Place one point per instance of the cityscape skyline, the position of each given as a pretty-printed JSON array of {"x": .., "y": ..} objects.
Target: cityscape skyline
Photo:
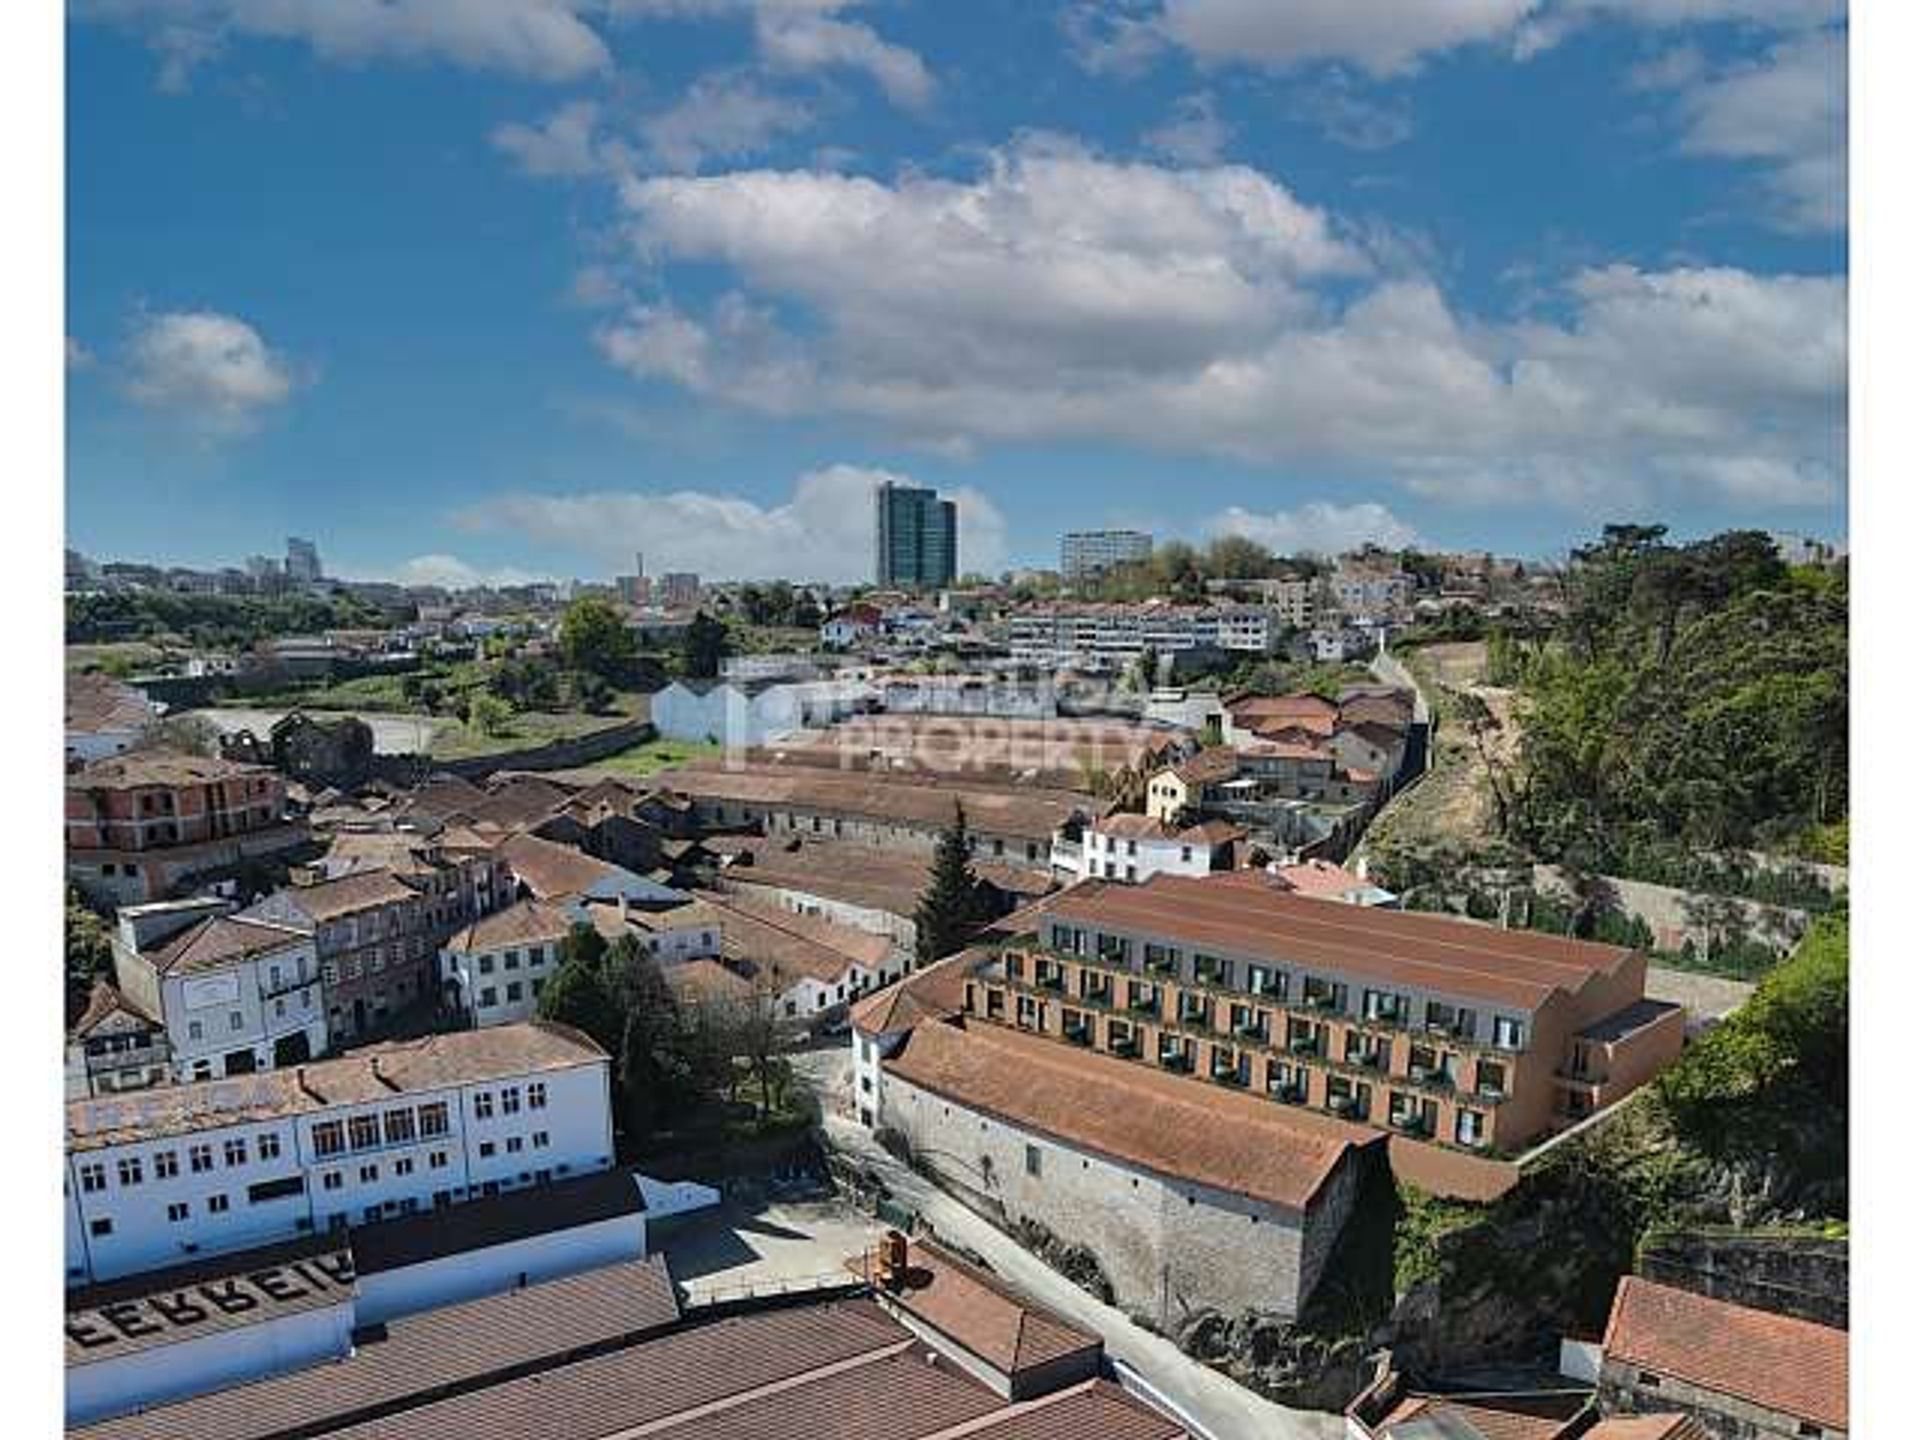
[{"x": 1075, "y": 267}]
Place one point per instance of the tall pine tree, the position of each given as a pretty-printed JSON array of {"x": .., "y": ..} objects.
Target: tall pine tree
[{"x": 949, "y": 909}]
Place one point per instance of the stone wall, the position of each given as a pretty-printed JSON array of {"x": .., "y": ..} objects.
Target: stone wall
[
  {"x": 1791, "y": 1275},
  {"x": 1627, "y": 1390},
  {"x": 1169, "y": 1249}
]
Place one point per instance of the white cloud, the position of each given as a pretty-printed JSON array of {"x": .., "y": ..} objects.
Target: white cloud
[
  {"x": 1060, "y": 296},
  {"x": 1348, "y": 116},
  {"x": 1383, "y": 37},
  {"x": 533, "y": 39},
  {"x": 210, "y": 370},
  {"x": 452, "y": 573},
  {"x": 1193, "y": 134},
  {"x": 78, "y": 356},
  {"x": 565, "y": 144},
  {"x": 1320, "y": 527},
  {"x": 724, "y": 116},
  {"x": 823, "y": 532},
  {"x": 801, "y": 37},
  {"x": 1787, "y": 112}
]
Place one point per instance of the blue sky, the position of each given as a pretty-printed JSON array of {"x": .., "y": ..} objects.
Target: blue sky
[{"x": 495, "y": 288}]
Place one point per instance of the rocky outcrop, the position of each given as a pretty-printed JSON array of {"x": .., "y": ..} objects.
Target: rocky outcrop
[
  {"x": 1275, "y": 1358},
  {"x": 1074, "y": 1262}
]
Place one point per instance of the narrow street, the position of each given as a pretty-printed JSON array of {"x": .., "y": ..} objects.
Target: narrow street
[{"x": 1224, "y": 1410}]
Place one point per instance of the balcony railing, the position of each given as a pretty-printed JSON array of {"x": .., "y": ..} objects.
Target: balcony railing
[
  {"x": 1229, "y": 1077},
  {"x": 1145, "y": 1005},
  {"x": 1101, "y": 999},
  {"x": 1055, "y": 983},
  {"x": 1369, "y": 1060},
  {"x": 1163, "y": 965},
  {"x": 1126, "y": 1049},
  {"x": 127, "y": 1059},
  {"x": 1252, "y": 1030},
  {"x": 1078, "y": 1034},
  {"x": 1409, "y": 1123},
  {"x": 1304, "y": 1045},
  {"x": 1179, "y": 1062},
  {"x": 1288, "y": 1094}
]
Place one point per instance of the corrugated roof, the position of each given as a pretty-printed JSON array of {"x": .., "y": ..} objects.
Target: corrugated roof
[
  {"x": 1177, "y": 1127},
  {"x": 1093, "y": 1410},
  {"x": 420, "y": 1355},
  {"x": 1777, "y": 1362},
  {"x": 1244, "y": 912}
]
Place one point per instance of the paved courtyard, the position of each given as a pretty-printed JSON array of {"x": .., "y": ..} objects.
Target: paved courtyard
[{"x": 748, "y": 1249}]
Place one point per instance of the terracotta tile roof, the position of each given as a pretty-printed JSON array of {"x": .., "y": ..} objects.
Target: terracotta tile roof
[
  {"x": 1649, "y": 1427},
  {"x": 553, "y": 871},
  {"x": 1030, "y": 813},
  {"x": 1211, "y": 832},
  {"x": 1136, "y": 827},
  {"x": 1383, "y": 736},
  {"x": 376, "y": 1072},
  {"x": 935, "y": 993},
  {"x": 704, "y": 981},
  {"x": 442, "y": 795},
  {"x": 1319, "y": 877},
  {"x": 1244, "y": 912},
  {"x": 1094, "y": 1410},
  {"x": 159, "y": 767},
  {"x": 1447, "y": 1419},
  {"x": 1777, "y": 1362},
  {"x": 983, "y": 1314},
  {"x": 786, "y": 947},
  {"x": 1246, "y": 708},
  {"x": 854, "y": 873},
  {"x": 1175, "y": 1126},
  {"x": 97, "y": 702},
  {"x": 527, "y": 922},
  {"x": 350, "y": 894},
  {"x": 1219, "y": 762},
  {"x": 220, "y": 940},
  {"x": 103, "y": 1003},
  {"x": 1305, "y": 731}
]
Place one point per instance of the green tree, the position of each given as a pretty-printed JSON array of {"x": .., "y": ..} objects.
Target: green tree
[
  {"x": 1234, "y": 557},
  {"x": 594, "y": 637},
  {"x": 579, "y": 995},
  {"x": 949, "y": 909},
  {"x": 489, "y": 714},
  {"x": 704, "y": 647},
  {"x": 89, "y": 953}
]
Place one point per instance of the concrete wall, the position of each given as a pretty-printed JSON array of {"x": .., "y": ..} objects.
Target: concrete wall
[
  {"x": 1626, "y": 1390},
  {"x": 1167, "y": 1247},
  {"x": 473, "y": 1273}
]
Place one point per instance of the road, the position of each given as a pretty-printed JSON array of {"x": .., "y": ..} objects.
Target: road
[{"x": 1224, "y": 1410}]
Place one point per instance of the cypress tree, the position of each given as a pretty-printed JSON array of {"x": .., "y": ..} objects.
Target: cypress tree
[{"x": 949, "y": 907}]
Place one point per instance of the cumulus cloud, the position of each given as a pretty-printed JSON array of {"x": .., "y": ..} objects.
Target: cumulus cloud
[
  {"x": 1383, "y": 37},
  {"x": 1061, "y": 296},
  {"x": 723, "y": 116},
  {"x": 1349, "y": 116},
  {"x": 1786, "y": 112},
  {"x": 452, "y": 573},
  {"x": 212, "y": 371},
  {"x": 532, "y": 39},
  {"x": 565, "y": 144},
  {"x": 79, "y": 357},
  {"x": 1320, "y": 527},
  {"x": 824, "y": 531}
]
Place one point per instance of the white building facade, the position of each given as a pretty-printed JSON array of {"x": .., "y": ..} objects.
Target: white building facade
[
  {"x": 158, "y": 1177},
  {"x": 1085, "y": 553},
  {"x": 1112, "y": 637}
]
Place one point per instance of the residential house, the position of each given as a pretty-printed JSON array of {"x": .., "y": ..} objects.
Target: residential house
[
  {"x": 1134, "y": 848},
  {"x": 235, "y": 995},
  {"x": 115, "y": 1046},
  {"x": 105, "y": 716},
  {"x": 492, "y": 972},
  {"x": 1323, "y": 880},
  {"x": 853, "y": 626},
  {"x": 375, "y": 943}
]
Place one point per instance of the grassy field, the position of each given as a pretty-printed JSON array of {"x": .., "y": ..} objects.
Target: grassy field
[
  {"x": 127, "y": 658},
  {"x": 456, "y": 740},
  {"x": 644, "y": 760}
]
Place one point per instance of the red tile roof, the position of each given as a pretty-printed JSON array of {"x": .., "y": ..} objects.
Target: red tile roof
[
  {"x": 219, "y": 941},
  {"x": 1174, "y": 1126},
  {"x": 1464, "y": 1418},
  {"x": 1649, "y": 1427},
  {"x": 529, "y": 922},
  {"x": 1777, "y": 1362},
  {"x": 97, "y": 702},
  {"x": 141, "y": 768},
  {"x": 350, "y": 894},
  {"x": 104, "y": 1002},
  {"x": 936, "y": 993},
  {"x": 1242, "y": 911},
  {"x": 983, "y": 1314}
]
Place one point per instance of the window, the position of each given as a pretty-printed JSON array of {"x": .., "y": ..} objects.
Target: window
[
  {"x": 1808, "y": 1428},
  {"x": 1470, "y": 1128},
  {"x": 177, "y": 1212},
  {"x": 331, "y": 1180},
  {"x": 329, "y": 1138},
  {"x": 269, "y": 1146},
  {"x": 363, "y": 1131},
  {"x": 195, "y": 1030},
  {"x": 537, "y": 1095},
  {"x": 512, "y": 961},
  {"x": 510, "y": 1100},
  {"x": 1033, "y": 1159},
  {"x": 536, "y": 988},
  {"x": 539, "y": 1139},
  {"x": 236, "y": 1021},
  {"x": 130, "y": 1170},
  {"x": 1649, "y": 1380},
  {"x": 1507, "y": 1034},
  {"x": 514, "y": 1145},
  {"x": 263, "y": 1191},
  {"x": 216, "y": 1204},
  {"x": 489, "y": 997},
  {"x": 166, "y": 1164},
  {"x": 486, "y": 1149},
  {"x": 437, "y": 1160},
  {"x": 236, "y": 1152},
  {"x": 199, "y": 1158},
  {"x": 403, "y": 1166},
  {"x": 93, "y": 1177},
  {"x": 483, "y": 1105},
  {"x": 369, "y": 1174},
  {"x": 486, "y": 964},
  {"x": 513, "y": 991},
  {"x": 102, "y": 1226},
  {"x": 399, "y": 1126},
  {"x": 433, "y": 1119}
]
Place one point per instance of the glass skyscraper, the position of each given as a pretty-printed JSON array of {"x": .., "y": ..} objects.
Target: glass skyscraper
[{"x": 916, "y": 538}]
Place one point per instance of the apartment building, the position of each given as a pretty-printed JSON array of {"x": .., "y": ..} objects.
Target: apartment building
[
  {"x": 1435, "y": 1028},
  {"x": 916, "y": 538},
  {"x": 1112, "y": 637},
  {"x": 140, "y": 824},
  {"x": 1367, "y": 592},
  {"x": 1134, "y": 848},
  {"x": 1087, "y": 553},
  {"x": 156, "y": 1177},
  {"x": 459, "y": 873},
  {"x": 234, "y": 995},
  {"x": 375, "y": 943},
  {"x": 492, "y": 972}
]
